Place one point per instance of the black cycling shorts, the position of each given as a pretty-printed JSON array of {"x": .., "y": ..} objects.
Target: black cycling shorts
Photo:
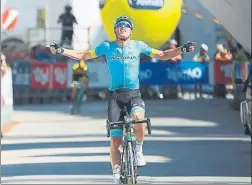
[
  {"x": 77, "y": 77},
  {"x": 131, "y": 99}
]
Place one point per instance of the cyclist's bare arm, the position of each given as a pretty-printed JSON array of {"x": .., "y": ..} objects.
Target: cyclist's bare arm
[
  {"x": 75, "y": 54},
  {"x": 171, "y": 53},
  {"x": 167, "y": 54},
  {"x": 78, "y": 55}
]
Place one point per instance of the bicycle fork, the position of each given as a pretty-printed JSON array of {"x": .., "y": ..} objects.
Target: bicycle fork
[{"x": 128, "y": 174}]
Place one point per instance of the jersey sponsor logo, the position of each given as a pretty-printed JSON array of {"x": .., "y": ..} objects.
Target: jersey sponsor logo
[
  {"x": 146, "y": 4},
  {"x": 123, "y": 58}
]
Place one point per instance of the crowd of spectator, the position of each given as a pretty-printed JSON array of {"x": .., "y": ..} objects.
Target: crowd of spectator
[
  {"x": 37, "y": 53},
  {"x": 224, "y": 53},
  {"x": 40, "y": 53}
]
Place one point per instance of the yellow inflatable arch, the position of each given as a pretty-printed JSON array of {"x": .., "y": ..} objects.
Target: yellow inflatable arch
[{"x": 155, "y": 20}]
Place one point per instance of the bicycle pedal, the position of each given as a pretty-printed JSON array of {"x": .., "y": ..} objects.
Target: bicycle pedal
[{"x": 123, "y": 180}]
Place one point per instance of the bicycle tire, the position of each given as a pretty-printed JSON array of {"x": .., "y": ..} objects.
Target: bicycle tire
[
  {"x": 243, "y": 113},
  {"x": 131, "y": 178},
  {"x": 123, "y": 166}
]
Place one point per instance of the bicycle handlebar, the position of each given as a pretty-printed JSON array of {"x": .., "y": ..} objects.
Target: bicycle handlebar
[{"x": 130, "y": 120}]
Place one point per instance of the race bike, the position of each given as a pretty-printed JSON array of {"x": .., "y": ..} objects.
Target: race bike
[
  {"x": 246, "y": 105},
  {"x": 129, "y": 169}
]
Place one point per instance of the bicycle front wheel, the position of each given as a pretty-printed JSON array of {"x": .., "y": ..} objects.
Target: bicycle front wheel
[{"x": 131, "y": 178}]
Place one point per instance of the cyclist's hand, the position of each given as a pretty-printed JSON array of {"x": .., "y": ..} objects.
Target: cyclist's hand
[
  {"x": 56, "y": 48},
  {"x": 188, "y": 46}
]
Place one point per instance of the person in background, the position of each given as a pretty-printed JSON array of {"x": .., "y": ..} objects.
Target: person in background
[
  {"x": 68, "y": 20},
  {"x": 3, "y": 72},
  {"x": 42, "y": 54},
  {"x": 173, "y": 45},
  {"x": 231, "y": 47},
  {"x": 174, "y": 90},
  {"x": 3, "y": 65},
  {"x": 202, "y": 57},
  {"x": 240, "y": 53},
  {"x": 219, "y": 47},
  {"x": 223, "y": 54}
]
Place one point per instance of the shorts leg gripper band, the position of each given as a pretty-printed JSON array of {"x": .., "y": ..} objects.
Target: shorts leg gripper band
[
  {"x": 136, "y": 109},
  {"x": 116, "y": 133}
]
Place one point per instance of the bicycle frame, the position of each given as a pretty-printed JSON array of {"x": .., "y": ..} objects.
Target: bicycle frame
[
  {"x": 128, "y": 153},
  {"x": 127, "y": 138}
]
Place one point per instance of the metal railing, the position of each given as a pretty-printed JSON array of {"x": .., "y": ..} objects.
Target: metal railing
[{"x": 81, "y": 35}]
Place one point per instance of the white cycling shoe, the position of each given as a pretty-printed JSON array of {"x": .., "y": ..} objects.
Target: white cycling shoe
[
  {"x": 116, "y": 175},
  {"x": 140, "y": 162}
]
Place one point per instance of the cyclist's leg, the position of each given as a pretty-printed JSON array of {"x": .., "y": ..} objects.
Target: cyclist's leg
[
  {"x": 74, "y": 91},
  {"x": 75, "y": 79},
  {"x": 137, "y": 112},
  {"x": 115, "y": 133}
]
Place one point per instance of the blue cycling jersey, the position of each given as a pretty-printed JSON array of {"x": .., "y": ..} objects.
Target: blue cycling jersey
[{"x": 123, "y": 62}]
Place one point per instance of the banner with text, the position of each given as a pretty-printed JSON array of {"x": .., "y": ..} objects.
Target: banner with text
[{"x": 163, "y": 73}]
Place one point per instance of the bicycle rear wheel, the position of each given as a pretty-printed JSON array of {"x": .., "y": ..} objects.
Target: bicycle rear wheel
[{"x": 131, "y": 174}]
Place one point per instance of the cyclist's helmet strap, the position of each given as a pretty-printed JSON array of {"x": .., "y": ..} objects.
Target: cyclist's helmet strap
[{"x": 124, "y": 18}]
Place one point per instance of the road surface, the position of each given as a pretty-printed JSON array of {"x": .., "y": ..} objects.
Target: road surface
[{"x": 198, "y": 141}]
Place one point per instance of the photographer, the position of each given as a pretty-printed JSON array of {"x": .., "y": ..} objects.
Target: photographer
[
  {"x": 67, "y": 19},
  {"x": 202, "y": 57}
]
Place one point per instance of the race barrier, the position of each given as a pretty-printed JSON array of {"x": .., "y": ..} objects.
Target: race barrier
[
  {"x": 6, "y": 98},
  {"x": 181, "y": 73},
  {"x": 51, "y": 82}
]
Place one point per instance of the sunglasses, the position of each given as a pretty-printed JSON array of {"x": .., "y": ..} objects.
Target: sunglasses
[{"x": 124, "y": 24}]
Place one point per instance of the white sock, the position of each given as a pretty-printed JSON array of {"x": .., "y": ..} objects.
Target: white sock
[
  {"x": 117, "y": 169},
  {"x": 139, "y": 147}
]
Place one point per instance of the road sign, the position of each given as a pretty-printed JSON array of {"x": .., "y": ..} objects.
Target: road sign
[{"x": 9, "y": 18}]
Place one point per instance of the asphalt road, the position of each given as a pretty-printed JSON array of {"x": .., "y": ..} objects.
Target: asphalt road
[{"x": 198, "y": 141}]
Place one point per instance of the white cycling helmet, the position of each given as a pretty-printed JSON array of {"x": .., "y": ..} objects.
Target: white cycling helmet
[{"x": 204, "y": 46}]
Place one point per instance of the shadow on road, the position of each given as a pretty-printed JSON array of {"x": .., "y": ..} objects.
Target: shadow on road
[
  {"x": 215, "y": 111},
  {"x": 218, "y": 155},
  {"x": 188, "y": 158}
]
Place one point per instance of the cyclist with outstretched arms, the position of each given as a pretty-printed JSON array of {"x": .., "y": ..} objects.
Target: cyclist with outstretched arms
[{"x": 123, "y": 57}]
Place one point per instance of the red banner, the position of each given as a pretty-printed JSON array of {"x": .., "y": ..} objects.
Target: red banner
[
  {"x": 60, "y": 75},
  {"x": 40, "y": 75},
  {"x": 223, "y": 72}
]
